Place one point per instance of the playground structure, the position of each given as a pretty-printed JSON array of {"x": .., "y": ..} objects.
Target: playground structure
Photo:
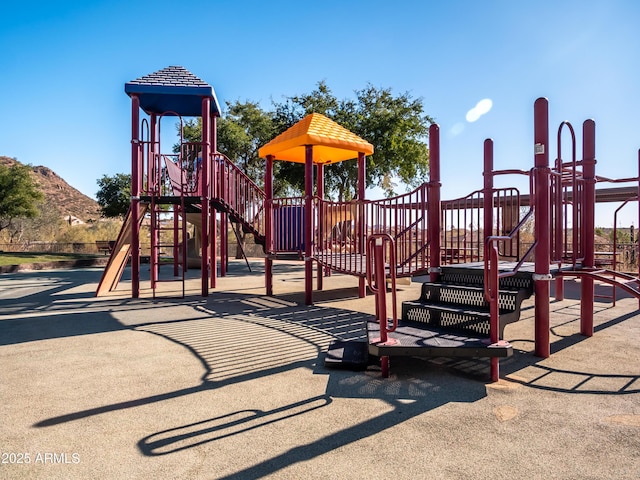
[{"x": 479, "y": 276}]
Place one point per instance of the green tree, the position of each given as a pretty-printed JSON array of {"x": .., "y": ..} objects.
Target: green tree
[
  {"x": 623, "y": 236},
  {"x": 396, "y": 126},
  {"x": 43, "y": 227},
  {"x": 19, "y": 194},
  {"x": 243, "y": 129},
  {"x": 114, "y": 195}
]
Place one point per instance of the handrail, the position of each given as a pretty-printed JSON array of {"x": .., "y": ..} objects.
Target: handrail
[
  {"x": 376, "y": 270},
  {"x": 467, "y": 213},
  {"x": 403, "y": 218},
  {"x": 491, "y": 265},
  {"x": 241, "y": 195}
]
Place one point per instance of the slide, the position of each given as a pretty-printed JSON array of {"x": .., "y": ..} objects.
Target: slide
[{"x": 119, "y": 255}]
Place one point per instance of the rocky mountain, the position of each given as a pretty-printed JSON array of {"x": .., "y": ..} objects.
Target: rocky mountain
[{"x": 61, "y": 196}]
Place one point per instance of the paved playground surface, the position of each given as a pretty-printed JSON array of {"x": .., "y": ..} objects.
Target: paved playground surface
[{"x": 233, "y": 387}]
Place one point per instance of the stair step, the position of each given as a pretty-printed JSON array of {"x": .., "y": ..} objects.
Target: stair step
[
  {"x": 473, "y": 275},
  {"x": 471, "y": 295},
  {"x": 351, "y": 355},
  {"x": 461, "y": 318},
  {"x": 430, "y": 341}
]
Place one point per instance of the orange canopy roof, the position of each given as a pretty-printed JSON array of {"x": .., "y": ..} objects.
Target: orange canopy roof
[{"x": 331, "y": 142}]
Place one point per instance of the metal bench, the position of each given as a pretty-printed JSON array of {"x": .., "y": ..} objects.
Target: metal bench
[{"x": 105, "y": 246}]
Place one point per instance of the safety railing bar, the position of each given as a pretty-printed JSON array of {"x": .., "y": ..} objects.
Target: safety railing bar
[
  {"x": 617, "y": 180},
  {"x": 510, "y": 172},
  {"x": 491, "y": 265}
]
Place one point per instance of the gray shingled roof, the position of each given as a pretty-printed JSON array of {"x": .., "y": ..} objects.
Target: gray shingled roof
[{"x": 172, "y": 89}]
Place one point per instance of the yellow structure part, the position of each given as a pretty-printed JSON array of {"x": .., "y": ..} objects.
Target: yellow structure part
[
  {"x": 331, "y": 142},
  {"x": 119, "y": 255}
]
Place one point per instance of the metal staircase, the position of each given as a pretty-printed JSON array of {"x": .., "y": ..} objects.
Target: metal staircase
[
  {"x": 457, "y": 302},
  {"x": 237, "y": 195}
]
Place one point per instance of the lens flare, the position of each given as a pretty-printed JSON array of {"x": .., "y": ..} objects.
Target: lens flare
[{"x": 481, "y": 108}]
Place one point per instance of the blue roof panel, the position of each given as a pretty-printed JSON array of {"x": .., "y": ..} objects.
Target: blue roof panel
[{"x": 172, "y": 89}]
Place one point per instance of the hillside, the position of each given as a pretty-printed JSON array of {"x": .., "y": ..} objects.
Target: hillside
[{"x": 61, "y": 196}]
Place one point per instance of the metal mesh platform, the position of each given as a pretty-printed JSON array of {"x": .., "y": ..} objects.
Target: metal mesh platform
[{"x": 421, "y": 340}]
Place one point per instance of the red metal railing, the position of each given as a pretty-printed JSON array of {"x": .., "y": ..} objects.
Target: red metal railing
[
  {"x": 342, "y": 230},
  {"x": 463, "y": 231},
  {"x": 381, "y": 259},
  {"x": 238, "y": 194}
]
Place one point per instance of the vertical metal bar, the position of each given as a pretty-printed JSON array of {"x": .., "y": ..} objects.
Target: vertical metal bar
[
  {"x": 176, "y": 249},
  {"x": 321, "y": 220},
  {"x": 205, "y": 197},
  {"x": 153, "y": 181},
  {"x": 308, "y": 225},
  {"x": 434, "y": 202},
  {"x": 214, "y": 162},
  {"x": 154, "y": 237},
  {"x": 224, "y": 241},
  {"x": 135, "y": 196},
  {"x": 588, "y": 224},
  {"x": 494, "y": 326},
  {"x": 268, "y": 221},
  {"x": 362, "y": 223},
  {"x": 542, "y": 257}
]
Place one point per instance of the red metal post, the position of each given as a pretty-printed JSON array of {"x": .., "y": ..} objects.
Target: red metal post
[
  {"x": 153, "y": 180},
  {"x": 320, "y": 194},
  {"x": 362, "y": 226},
  {"x": 488, "y": 189},
  {"x": 541, "y": 229},
  {"x": 308, "y": 225},
  {"x": 268, "y": 224},
  {"x": 205, "y": 193},
  {"x": 135, "y": 196},
  {"x": 492, "y": 276},
  {"x": 224, "y": 243},
  {"x": 433, "y": 203},
  {"x": 381, "y": 287},
  {"x": 588, "y": 224},
  {"x": 494, "y": 310},
  {"x": 213, "y": 235},
  {"x": 211, "y": 161}
]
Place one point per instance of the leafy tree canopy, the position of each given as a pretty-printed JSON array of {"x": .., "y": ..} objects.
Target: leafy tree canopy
[
  {"x": 114, "y": 195},
  {"x": 19, "y": 195},
  {"x": 396, "y": 126}
]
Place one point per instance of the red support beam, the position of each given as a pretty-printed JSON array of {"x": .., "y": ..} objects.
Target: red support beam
[
  {"x": 588, "y": 224},
  {"x": 433, "y": 201},
  {"x": 154, "y": 166},
  {"x": 362, "y": 187},
  {"x": 542, "y": 203},
  {"x": 205, "y": 194},
  {"x": 308, "y": 225},
  {"x": 135, "y": 196},
  {"x": 320, "y": 194},
  {"x": 213, "y": 178},
  {"x": 224, "y": 242},
  {"x": 268, "y": 223},
  {"x": 488, "y": 189}
]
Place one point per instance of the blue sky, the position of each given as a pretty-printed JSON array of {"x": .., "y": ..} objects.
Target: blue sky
[{"x": 64, "y": 65}]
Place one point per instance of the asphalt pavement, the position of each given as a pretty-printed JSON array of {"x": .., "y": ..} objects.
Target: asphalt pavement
[{"x": 233, "y": 386}]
